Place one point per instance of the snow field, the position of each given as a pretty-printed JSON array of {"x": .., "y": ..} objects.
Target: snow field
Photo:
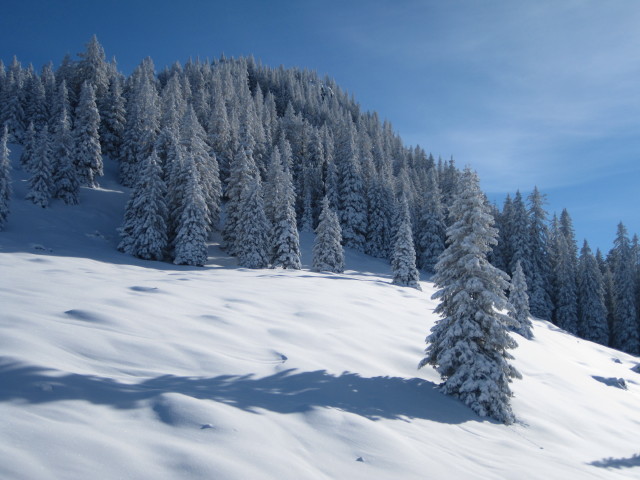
[{"x": 113, "y": 367}]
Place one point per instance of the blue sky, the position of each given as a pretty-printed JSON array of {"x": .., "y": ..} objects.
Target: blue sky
[{"x": 528, "y": 93}]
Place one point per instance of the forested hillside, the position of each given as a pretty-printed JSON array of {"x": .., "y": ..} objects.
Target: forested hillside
[{"x": 262, "y": 153}]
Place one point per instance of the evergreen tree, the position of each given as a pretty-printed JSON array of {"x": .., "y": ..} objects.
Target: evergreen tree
[
  {"x": 519, "y": 303},
  {"x": 144, "y": 232},
  {"x": 141, "y": 127},
  {"x": 191, "y": 236},
  {"x": 12, "y": 113},
  {"x": 40, "y": 183},
  {"x": 194, "y": 147},
  {"x": 403, "y": 257},
  {"x": 88, "y": 155},
  {"x": 5, "y": 178},
  {"x": 607, "y": 283},
  {"x": 566, "y": 301},
  {"x": 468, "y": 345},
  {"x": 625, "y": 327},
  {"x": 328, "y": 255},
  {"x": 353, "y": 207},
  {"x": 30, "y": 143},
  {"x": 243, "y": 171},
  {"x": 253, "y": 228},
  {"x": 592, "y": 313},
  {"x": 35, "y": 108},
  {"x": 519, "y": 235},
  {"x": 379, "y": 202},
  {"x": 285, "y": 243},
  {"x": 112, "y": 119},
  {"x": 431, "y": 226},
  {"x": 66, "y": 185},
  {"x": 539, "y": 277}
]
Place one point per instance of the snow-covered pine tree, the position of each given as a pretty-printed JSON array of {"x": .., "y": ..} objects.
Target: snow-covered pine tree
[
  {"x": 142, "y": 124},
  {"x": 592, "y": 313},
  {"x": 66, "y": 185},
  {"x": 503, "y": 223},
  {"x": 11, "y": 110},
  {"x": 284, "y": 240},
  {"x": 144, "y": 232},
  {"x": 35, "y": 108},
  {"x": 192, "y": 139},
  {"x": 30, "y": 141},
  {"x": 243, "y": 171},
  {"x": 566, "y": 301},
  {"x": 41, "y": 182},
  {"x": 353, "y": 205},
  {"x": 431, "y": 226},
  {"x": 328, "y": 254},
  {"x": 609, "y": 288},
  {"x": 190, "y": 243},
  {"x": 252, "y": 228},
  {"x": 380, "y": 203},
  {"x": 468, "y": 345},
  {"x": 519, "y": 235},
  {"x": 5, "y": 178},
  {"x": 112, "y": 119},
  {"x": 625, "y": 327},
  {"x": 220, "y": 132},
  {"x": 539, "y": 278},
  {"x": 519, "y": 303},
  {"x": 403, "y": 255},
  {"x": 88, "y": 155}
]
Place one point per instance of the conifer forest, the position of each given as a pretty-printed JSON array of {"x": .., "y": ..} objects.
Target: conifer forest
[{"x": 257, "y": 155}]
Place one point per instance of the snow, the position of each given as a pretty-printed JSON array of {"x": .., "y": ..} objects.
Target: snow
[{"x": 114, "y": 367}]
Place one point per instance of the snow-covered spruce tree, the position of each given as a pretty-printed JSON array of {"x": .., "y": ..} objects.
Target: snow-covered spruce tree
[
  {"x": 519, "y": 239},
  {"x": 41, "y": 181},
  {"x": 380, "y": 204},
  {"x": 88, "y": 155},
  {"x": 112, "y": 119},
  {"x": 403, "y": 256},
  {"x": 192, "y": 139},
  {"x": 144, "y": 232},
  {"x": 519, "y": 303},
  {"x": 431, "y": 227},
  {"x": 625, "y": 327},
  {"x": 539, "y": 278},
  {"x": 566, "y": 298},
  {"x": 5, "y": 178},
  {"x": 592, "y": 313},
  {"x": 141, "y": 126},
  {"x": 30, "y": 140},
  {"x": 66, "y": 185},
  {"x": 353, "y": 205},
  {"x": 284, "y": 239},
  {"x": 468, "y": 345},
  {"x": 190, "y": 243},
  {"x": 609, "y": 288},
  {"x": 328, "y": 254},
  {"x": 243, "y": 171},
  {"x": 253, "y": 228}
]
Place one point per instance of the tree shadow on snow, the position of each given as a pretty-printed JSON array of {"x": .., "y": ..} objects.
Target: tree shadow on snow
[
  {"x": 285, "y": 392},
  {"x": 633, "y": 461}
]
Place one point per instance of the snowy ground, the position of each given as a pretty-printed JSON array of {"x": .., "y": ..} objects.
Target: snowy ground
[{"x": 111, "y": 367}]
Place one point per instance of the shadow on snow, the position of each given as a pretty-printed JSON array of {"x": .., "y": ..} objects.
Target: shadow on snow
[
  {"x": 285, "y": 392},
  {"x": 633, "y": 461}
]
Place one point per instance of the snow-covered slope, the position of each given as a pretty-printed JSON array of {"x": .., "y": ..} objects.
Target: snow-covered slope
[{"x": 112, "y": 367}]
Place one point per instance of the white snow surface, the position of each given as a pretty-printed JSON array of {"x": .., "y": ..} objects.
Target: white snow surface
[{"x": 113, "y": 367}]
